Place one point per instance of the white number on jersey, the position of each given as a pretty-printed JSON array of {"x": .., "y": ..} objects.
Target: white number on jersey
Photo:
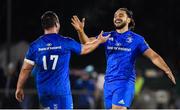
[{"x": 52, "y": 57}]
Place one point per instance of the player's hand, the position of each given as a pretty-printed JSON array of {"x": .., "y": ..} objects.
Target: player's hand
[
  {"x": 77, "y": 24},
  {"x": 19, "y": 95},
  {"x": 171, "y": 77},
  {"x": 102, "y": 38}
]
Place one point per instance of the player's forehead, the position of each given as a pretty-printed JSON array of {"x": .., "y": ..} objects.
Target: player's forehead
[{"x": 120, "y": 12}]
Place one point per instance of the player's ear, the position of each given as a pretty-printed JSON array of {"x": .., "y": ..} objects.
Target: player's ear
[
  {"x": 56, "y": 24},
  {"x": 129, "y": 20}
]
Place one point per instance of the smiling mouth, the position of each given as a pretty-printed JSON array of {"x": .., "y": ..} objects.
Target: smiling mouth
[{"x": 118, "y": 21}]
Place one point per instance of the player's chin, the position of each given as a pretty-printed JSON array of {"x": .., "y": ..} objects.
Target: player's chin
[{"x": 118, "y": 26}]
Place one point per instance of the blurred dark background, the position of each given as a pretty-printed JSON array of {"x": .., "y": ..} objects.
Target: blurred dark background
[{"x": 156, "y": 20}]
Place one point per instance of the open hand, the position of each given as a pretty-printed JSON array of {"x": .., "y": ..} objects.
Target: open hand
[
  {"x": 77, "y": 24},
  {"x": 102, "y": 38}
]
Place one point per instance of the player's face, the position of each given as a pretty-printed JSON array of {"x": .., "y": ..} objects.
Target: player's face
[{"x": 120, "y": 19}]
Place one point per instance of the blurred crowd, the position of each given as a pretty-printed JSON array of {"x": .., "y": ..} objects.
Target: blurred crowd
[
  {"x": 152, "y": 88},
  {"x": 8, "y": 81}
]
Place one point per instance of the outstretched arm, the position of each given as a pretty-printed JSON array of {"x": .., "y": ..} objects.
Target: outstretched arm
[
  {"x": 159, "y": 62},
  {"x": 79, "y": 26},
  {"x": 23, "y": 76},
  {"x": 92, "y": 45}
]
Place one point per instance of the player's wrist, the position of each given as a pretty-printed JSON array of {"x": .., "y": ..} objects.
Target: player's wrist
[
  {"x": 19, "y": 87},
  {"x": 80, "y": 30},
  {"x": 99, "y": 41}
]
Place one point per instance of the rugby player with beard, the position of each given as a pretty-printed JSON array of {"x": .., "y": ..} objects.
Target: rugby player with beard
[{"x": 122, "y": 49}]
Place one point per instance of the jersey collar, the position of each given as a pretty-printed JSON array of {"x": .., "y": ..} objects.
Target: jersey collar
[{"x": 124, "y": 33}]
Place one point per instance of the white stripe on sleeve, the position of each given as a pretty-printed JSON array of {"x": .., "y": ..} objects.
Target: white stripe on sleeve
[{"x": 29, "y": 61}]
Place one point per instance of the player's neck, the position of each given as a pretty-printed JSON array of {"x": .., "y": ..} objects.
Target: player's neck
[
  {"x": 50, "y": 31},
  {"x": 124, "y": 29}
]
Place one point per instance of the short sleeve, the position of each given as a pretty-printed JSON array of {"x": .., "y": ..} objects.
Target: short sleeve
[
  {"x": 74, "y": 46},
  {"x": 30, "y": 56},
  {"x": 143, "y": 46}
]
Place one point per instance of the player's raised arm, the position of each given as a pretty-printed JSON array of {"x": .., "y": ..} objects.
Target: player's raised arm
[
  {"x": 79, "y": 26},
  {"x": 92, "y": 45},
  {"x": 23, "y": 76},
  {"x": 159, "y": 62}
]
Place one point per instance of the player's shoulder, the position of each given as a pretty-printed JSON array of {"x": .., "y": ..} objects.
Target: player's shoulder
[
  {"x": 136, "y": 36},
  {"x": 65, "y": 38},
  {"x": 35, "y": 42}
]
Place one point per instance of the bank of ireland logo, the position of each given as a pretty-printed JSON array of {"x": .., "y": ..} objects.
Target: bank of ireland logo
[{"x": 48, "y": 44}]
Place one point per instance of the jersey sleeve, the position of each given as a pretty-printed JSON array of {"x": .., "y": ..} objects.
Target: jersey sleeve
[
  {"x": 143, "y": 46},
  {"x": 74, "y": 46},
  {"x": 30, "y": 55}
]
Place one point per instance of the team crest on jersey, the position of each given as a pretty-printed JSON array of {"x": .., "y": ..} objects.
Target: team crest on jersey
[
  {"x": 129, "y": 39},
  {"x": 49, "y": 44}
]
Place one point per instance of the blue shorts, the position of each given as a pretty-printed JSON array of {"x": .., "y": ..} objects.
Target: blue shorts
[
  {"x": 118, "y": 93},
  {"x": 57, "y": 101}
]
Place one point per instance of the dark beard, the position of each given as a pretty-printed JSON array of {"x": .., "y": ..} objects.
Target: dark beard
[{"x": 121, "y": 26}]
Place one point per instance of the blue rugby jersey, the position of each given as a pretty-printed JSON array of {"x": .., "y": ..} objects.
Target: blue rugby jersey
[
  {"x": 50, "y": 54},
  {"x": 121, "y": 52}
]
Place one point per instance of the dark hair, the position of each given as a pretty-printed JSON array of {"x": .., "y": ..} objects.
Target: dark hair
[
  {"x": 49, "y": 19},
  {"x": 130, "y": 15}
]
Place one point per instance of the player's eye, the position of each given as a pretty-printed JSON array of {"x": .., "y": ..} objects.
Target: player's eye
[
  {"x": 115, "y": 16},
  {"x": 121, "y": 15}
]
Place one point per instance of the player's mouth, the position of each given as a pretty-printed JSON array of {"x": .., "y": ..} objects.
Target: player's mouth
[{"x": 118, "y": 21}]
